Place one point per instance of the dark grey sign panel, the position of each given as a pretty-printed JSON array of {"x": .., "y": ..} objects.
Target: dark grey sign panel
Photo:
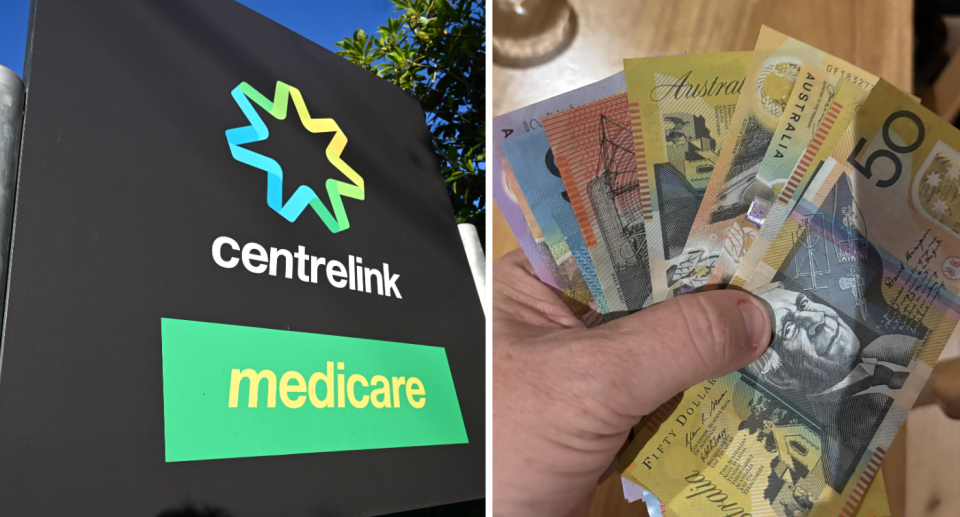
[{"x": 126, "y": 182}]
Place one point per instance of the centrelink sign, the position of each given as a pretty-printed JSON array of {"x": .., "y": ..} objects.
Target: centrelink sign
[{"x": 170, "y": 337}]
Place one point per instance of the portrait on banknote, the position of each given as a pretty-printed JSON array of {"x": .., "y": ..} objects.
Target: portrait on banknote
[{"x": 837, "y": 359}]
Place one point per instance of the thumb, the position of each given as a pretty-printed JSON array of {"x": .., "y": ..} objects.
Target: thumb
[{"x": 663, "y": 350}]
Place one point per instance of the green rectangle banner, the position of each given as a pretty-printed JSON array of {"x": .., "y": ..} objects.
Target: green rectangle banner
[{"x": 231, "y": 391}]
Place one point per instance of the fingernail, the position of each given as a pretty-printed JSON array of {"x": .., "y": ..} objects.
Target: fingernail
[{"x": 757, "y": 321}]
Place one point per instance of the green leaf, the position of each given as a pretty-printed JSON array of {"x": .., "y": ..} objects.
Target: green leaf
[{"x": 416, "y": 49}]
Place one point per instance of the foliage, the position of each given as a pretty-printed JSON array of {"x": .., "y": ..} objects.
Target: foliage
[{"x": 436, "y": 50}]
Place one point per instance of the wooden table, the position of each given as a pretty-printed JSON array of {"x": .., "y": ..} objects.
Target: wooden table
[{"x": 877, "y": 35}]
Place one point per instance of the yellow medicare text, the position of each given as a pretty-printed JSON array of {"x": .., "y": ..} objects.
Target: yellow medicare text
[{"x": 378, "y": 392}]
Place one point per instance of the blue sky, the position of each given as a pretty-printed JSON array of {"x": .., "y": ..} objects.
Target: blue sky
[{"x": 323, "y": 21}]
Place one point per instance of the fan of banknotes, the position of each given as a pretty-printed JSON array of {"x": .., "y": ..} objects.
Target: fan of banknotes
[{"x": 786, "y": 172}]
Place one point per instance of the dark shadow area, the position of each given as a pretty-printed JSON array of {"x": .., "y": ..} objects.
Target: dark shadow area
[
  {"x": 190, "y": 510},
  {"x": 475, "y": 508}
]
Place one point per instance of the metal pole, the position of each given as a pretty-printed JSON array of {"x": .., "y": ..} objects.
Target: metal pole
[
  {"x": 471, "y": 244},
  {"x": 11, "y": 125}
]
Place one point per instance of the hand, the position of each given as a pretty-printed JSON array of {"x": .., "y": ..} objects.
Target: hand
[{"x": 565, "y": 397}]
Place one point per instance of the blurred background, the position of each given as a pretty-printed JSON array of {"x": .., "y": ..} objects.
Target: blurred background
[{"x": 542, "y": 48}]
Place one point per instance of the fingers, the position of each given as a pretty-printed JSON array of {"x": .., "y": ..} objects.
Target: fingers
[
  {"x": 517, "y": 259},
  {"x": 683, "y": 341},
  {"x": 521, "y": 302},
  {"x": 946, "y": 387}
]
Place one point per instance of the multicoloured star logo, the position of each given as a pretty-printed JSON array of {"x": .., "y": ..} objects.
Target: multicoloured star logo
[{"x": 257, "y": 132}]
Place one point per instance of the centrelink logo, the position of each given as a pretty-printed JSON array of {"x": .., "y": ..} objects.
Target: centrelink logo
[
  {"x": 309, "y": 268},
  {"x": 257, "y": 132}
]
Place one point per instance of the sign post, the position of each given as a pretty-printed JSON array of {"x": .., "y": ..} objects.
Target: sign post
[{"x": 11, "y": 125}]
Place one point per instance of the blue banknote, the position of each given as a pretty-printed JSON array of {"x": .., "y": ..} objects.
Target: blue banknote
[{"x": 536, "y": 171}]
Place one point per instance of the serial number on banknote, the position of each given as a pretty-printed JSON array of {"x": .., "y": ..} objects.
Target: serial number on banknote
[{"x": 859, "y": 81}]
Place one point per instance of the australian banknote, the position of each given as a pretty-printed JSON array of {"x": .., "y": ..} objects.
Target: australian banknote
[
  {"x": 533, "y": 165},
  {"x": 654, "y": 505},
  {"x": 875, "y": 502},
  {"x": 509, "y": 198},
  {"x": 812, "y": 98},
  {"x": 773, "y": 70},
  {"x": 862, "y": 287},
  {"x": 571, "y": 285},
  {"x": 682, "y": 109},
  {"x": 594, "y": 152},
  {"x": 843, "y": 108}
]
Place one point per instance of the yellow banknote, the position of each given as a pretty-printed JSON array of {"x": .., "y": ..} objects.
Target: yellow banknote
[
  {"x": 812, "y": 98},
  {"x": 875, "y": 502},
  {"x": 682, "y": 107},
  {"x": 844, "y": 106},
  {"x": 862, "y": 285},
  {"x": 770, "y": 79}
]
